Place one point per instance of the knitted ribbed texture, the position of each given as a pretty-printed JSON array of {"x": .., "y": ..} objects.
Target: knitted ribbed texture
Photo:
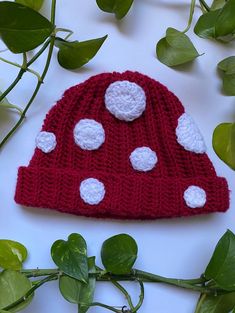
[{"x": 52, "y": 180}]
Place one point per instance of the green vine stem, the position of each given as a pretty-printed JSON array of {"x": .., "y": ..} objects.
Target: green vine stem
[
  {"x": 126, "y": 294},
  {"x": 23, "y": 70},
  {"x": 192, "y": 7},
  {"x": 141, "y": 297},
  {"x": 102, "y": 305},
  {"x": 205, "y": 5},
  {"x": 197, "y": 284},
  {"x": 200, "y": 302},
  {"x": 51, "y": 44}
]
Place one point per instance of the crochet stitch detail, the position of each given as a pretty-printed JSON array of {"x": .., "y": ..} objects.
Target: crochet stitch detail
[
  {"x": 125, "y": 100},
  {"x": 195, "y": 197},
  {"x": 46, "y": 141},
  {"x": 92, "y": 191},
  {"x": 189, "y": 135},
  {"x": 89, "y": 134},
  {"x": 143, "y": 159}
]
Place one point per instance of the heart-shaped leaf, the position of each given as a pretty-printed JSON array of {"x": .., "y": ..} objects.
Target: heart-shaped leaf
[
  {"x": 224, "y": 143},
  {"x": 13, "y": 286},
  {"x": 227, "y": 65},
  {"x": 12, "y": 254},
  {"x": 119, "y": 254},
  {"x": 33, "y": 4},
  {"x": 76, "y": 292},
  {"x": 205, "y": 26},
  {"x": 119, "y": 7},
  {"x": 71, "y": 257},
  {"x": 175, "y": 49},
  {"x": 221, "y": 267},
  {"x": 225, "y": 23},
  {"x": 73, "y": 55},
  {"x": 21, "y": 28},
  {"x": 229, "y": 84},
  {"x": 219, "y": 304}
]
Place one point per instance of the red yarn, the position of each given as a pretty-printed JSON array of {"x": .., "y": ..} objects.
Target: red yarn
[{"x": 52, "y": 180}]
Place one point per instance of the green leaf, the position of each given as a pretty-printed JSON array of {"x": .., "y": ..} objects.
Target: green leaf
[
  {"x": 229, "y": 84},
  {"x": 227, "y": 65},
  {"x": 175, "y": 49},
  {"x": 217, "y": 4},
  {"x": 70, "y": 288},
  {"x": 216, "y": 304},
  {"x": 12, "y": 254},
  {"x": 71, "y": 257},
  {"x": 73, "y": 55},
  {"x": 33, "y": 4},
  {"x": 119, "y": 254},
  {"x": 87, "y": 291},
  {"x": 6, "y": 104},
  {"x": 119, "y": 7},
  {"x": 76, "y": 292},
  {"x": 21, "y": 28},
  {"x": 221, "y": 267},
  {"x": 205, "y": 26},
  {"x": 13, "y": 286},
  {"x": 224, "y": 144},
  {"x": 225, "y": 23}
]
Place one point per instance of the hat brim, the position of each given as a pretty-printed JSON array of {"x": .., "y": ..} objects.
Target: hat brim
[{"x": 137, "y": 196}]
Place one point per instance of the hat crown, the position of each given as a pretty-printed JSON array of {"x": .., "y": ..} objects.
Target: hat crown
[{"x": 154, "y": 128}]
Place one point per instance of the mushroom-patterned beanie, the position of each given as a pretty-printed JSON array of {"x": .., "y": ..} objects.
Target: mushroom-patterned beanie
[{"x": 120, "y": 145}]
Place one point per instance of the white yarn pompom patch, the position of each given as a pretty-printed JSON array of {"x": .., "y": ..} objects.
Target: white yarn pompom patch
[
  {"x": 92, "y": 191},
  {"x": 189, "y": 135},
  {"x": 125, "y": 100},
  {"x": 195, "y": 197},
  {"x": 46, "y": 141},
  {"x": 89, "y": 134},
  {"x": 143, "y": 159}
]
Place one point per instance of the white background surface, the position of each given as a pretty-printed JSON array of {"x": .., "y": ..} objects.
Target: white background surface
[{"x": 175, "y": 248}]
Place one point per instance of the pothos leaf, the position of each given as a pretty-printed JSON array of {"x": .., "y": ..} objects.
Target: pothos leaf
[
  {"x": 224, "y": 146},
  {"x": 119, "y": 254},
  {"x": 205, "y": 26},
  {"x": 87, "y": 291},
  {"x": 119, "y": 7},
  {"x": 12, "y": 254},
  {"x": 229, "y": 84},
  {"x": 71, "y": 256},
  {"x": 227, "y": 65},
  {"x": 77, "y": 292},
  {"x": 225, "y": 23},
  {"x": 21, "y": 28},
  {"x": 13, "y": 286},
  {"x": 73, "y": 55},
  {"x": 216, "y": 304},
  {"x": 33, "y": 4},
  {"x": 221, "y": 268},
  {"x": 176, "y": 48}
]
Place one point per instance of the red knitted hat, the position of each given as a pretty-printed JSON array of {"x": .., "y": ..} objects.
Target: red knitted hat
[{"x": 120, "y": 145}]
